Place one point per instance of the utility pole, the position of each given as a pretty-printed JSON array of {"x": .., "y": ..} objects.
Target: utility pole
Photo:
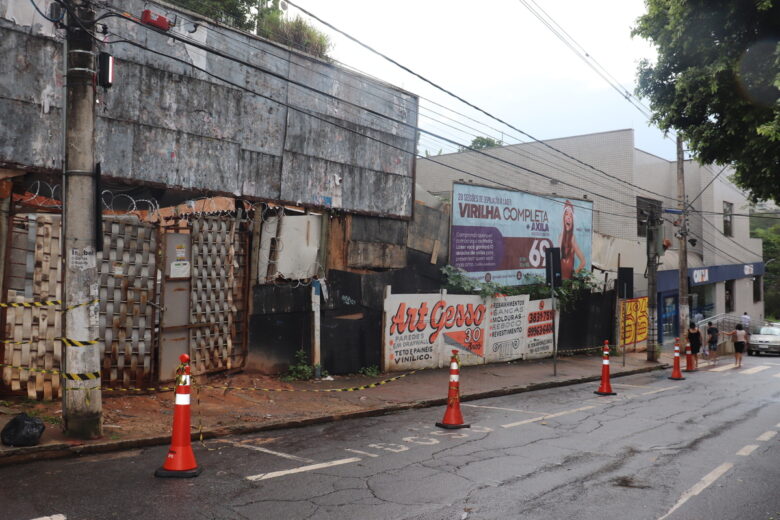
[
  {"x": 81, "y": 402},
  {"x": 683, "y": 237},
  {"x": 653, "y": 229}
]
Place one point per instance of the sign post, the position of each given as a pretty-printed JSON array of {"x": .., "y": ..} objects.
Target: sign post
[{"x": 552, "y": 266}]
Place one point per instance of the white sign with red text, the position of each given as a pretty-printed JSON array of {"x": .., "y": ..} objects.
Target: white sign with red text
[{"x": 422, "y": 330}]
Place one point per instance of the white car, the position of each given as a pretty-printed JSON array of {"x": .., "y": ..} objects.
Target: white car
[{"x": 767, "y": 340}]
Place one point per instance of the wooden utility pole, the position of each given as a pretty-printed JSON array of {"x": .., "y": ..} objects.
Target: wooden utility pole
[
  {"x": 683, "y": 238},
  {"x": 81, "y": 401}
]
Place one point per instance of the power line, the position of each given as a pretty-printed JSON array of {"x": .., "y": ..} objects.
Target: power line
[
  {"x": 361, "y": 89},
  {"x": 221, "y": 54},
  {"x": 207, "y": 49},
  {"x": 464, "y": 101}
]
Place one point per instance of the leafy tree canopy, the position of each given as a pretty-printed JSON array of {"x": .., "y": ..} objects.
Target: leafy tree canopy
[
  {"x": 265, "y": 18},
  {"x": 717, "y": 82},
  {"x": 768, "y": 230},
  {"x": 481, "y": 143}
]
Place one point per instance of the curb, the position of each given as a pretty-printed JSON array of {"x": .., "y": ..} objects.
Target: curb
[{"x": 63, "y": 449}]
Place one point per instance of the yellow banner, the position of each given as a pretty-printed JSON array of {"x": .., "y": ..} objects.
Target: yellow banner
[{"x": 634, "y": 322}]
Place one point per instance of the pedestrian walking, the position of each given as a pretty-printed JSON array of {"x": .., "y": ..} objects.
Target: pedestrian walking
[
  {"x": 745, "y": 319},
  {"x": 694, "y": 340},
  {"x": 740, "y": 337},
  {"x": 712, "y": 342}
]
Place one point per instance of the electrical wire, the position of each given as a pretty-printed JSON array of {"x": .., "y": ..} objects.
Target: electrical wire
[
  {"x": 327, "y": 95},
  {"x": 361, "y": 88},
  {"x": 205, "y": 48},
  {"x": 52, "y": 20},
  {"x": 464, "y": 101}
]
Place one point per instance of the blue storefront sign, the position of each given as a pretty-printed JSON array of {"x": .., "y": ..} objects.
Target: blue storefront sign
[
  {"x": 669, "y": 281},
  {"x": 668, "y": 286}
]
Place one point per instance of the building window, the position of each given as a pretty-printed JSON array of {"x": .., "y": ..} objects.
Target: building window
[
  {"x": 758, "y": 283},
  {"x": 728, "y": 211},
  {"x": 644, "y": 208},
  {"x": 729, "y": 296}
]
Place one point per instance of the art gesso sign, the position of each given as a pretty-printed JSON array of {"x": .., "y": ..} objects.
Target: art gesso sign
[{"x": 501, "y": 235}]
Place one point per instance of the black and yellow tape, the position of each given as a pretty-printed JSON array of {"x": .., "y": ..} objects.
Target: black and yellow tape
[
  {"x": 89, "y": 376},
  {"x": 78, "y": 342},
  {"x": 45, "y": 303},
  {"x": 312, "y": 390},
  {"x": 67, "y": 341},
  {"x": 36, "y": 370}
]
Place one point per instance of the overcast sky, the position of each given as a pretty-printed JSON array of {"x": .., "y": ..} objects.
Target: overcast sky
[{"x": 498, "y": 56}]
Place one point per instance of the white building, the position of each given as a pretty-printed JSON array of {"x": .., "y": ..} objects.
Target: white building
[{"x": 725, "y": 264}]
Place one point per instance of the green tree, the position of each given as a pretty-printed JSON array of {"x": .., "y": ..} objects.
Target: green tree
[
  {"x": 771, "y": 237},
  {"x": 717, "y": 82},
  {"x": 265, "y": 18},
  {"x": 481, "y": 143}
]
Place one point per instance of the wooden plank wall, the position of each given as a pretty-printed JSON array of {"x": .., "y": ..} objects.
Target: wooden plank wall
[
  {"x": 34, "y": 271},
  {"x": 217, "y": 298},
  {"x": 127, "y": 267}
]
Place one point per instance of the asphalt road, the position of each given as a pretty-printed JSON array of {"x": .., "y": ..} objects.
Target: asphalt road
[{"x": 703, "y": 448}]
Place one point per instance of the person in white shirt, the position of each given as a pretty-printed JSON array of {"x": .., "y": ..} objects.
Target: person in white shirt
[{"x": 745, "y": 318}]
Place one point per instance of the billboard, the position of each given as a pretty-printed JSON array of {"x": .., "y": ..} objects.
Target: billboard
[
  {"x": 421, "y": 330},
  {"x": 501, "y": 235}
]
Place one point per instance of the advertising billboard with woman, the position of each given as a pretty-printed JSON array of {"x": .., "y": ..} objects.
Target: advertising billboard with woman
[{"x": 501, "y": 235}]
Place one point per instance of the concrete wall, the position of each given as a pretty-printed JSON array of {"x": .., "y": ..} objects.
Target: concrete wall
[{"x": 255, "y": 135}]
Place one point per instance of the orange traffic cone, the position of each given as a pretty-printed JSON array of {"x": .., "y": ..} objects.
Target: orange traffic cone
[
  {"x": 180, "y": 461},
  {"x": 605, "y": 388},
  {"x": 688, "y": 358},
  {"x": 452, "y": 416},
  {"x": 676, "y": 374}
]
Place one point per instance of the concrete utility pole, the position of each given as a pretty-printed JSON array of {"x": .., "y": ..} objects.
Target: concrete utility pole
[
  {"x": 81, "y": 403},
  {"x": 653, "y": 228},
  {"x": 683, "y": 237}
]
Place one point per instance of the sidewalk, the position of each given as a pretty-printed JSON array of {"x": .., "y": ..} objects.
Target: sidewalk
[{"x": 132, "y": 421}]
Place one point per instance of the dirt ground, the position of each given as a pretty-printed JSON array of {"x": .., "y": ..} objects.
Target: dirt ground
[{"x": 217, "y": 401}]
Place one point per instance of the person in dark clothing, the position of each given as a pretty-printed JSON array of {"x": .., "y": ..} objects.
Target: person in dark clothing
[
  {"x": 712, "y": 341},
  {"x": 694, "y": 339}
]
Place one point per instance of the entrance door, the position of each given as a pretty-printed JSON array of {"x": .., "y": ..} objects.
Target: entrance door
[{"x": 174, "y": 325}]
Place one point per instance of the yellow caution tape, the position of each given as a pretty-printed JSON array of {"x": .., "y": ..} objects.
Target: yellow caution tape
[
  {"x": 81, "y": 377},
  {"x": 45, "y": 303},
  {"x": 67, "y": 341},
  {"x": 78, "y": 342},
  {"x": 317, "y": 390}
]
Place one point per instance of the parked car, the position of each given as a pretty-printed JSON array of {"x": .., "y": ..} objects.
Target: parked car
[{"x": 767, "y": 340}]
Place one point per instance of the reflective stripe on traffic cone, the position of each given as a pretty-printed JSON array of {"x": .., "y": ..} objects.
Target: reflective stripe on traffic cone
[
  {"x": 180, "y": 461},
  {"x": 688, "y": 358},
  {"x": 452, "y": 416},
  {"x": 676, "y": 374},
  {"x": 605, "y": 388}
]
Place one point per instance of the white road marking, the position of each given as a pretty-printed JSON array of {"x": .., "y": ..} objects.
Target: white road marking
[
  {"x": 499, "y": 408},
  {"x": 776, "y": 375},
  {"x": 754, "y": 370},
  {"x": 777, "y": 425},
  {"x": 747, "y": 450},
  {"x": 302, "y": 469},
  {"x": 543, "y": 417},
  {"x": 367, "y": 454},
  {"x": 659, "y": 390},
  {"x": 52, "y": 517},
  {"x": 723, "y": 368},
  {"x": 630, "y": 386},
  {"x": 269, "y": 452},
  {"x": 766, "y": 435},
  {"x": 700, "y": 486}
]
